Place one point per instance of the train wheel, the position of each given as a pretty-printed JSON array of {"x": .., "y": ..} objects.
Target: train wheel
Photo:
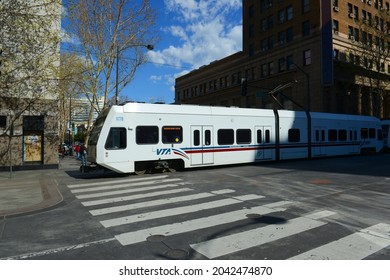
[{"x": 140, "y": 172}]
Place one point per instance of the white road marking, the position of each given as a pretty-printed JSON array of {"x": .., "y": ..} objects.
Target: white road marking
[
  {"x": 191, "y": 225},
  {"x": 133, "y": 197},
  {"x": 356, "y": 246},
  {"x": 244, "y": 240},
  {"x": 127, "y": 191},
  {"x": 177, "y": 211},
  {"x": 151, "y": 203},
  {"x": 58, "y": 250},
  {"x": 113, "y": 186},
  {"x": 117, "y": 181}
]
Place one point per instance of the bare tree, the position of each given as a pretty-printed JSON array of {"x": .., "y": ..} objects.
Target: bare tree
[
  {"x": 29, "y": 48},
  {"x": 71, "y": 87},
  {"x": 113, "y": 35},
  {"x": 371, "y": 53}
]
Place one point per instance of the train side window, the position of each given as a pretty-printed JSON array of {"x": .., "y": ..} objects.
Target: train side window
[
  {"x": 342, "y": 135},
  {"x": 116, "y": 139},
  {"x": 317, "y": 135},
  {"x": 364, "y": 133},
  {"x": 196, "y": 137},
  {"x": 207, "y": 137},
  {"x": 372, "y": 133},
  {"x": 146, "y": 135},
  {"x": 332, "y": 135},
  {"x": 225, "y": 136},
  {"x": 244, "y": 136},
  {"x": 267, "y": 136},
  {"x": 380, "y": 135},
  {"x": 172, "y": 134},
  {"x": 294, "y": 135},
  {"x": 259, "y": 136}
]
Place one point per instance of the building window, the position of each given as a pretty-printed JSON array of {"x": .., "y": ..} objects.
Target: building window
[
  {"x": 290, "y": 13},
  {"x": 251, "y": 11},
  {"x": 282, "y": 16},
  {"x": 264, "y": 70},
  {"x": 336, "y": 55},
  {"x": 281, "y": 37},
  {"x": 306, "y": 28},
  {"x": 271, "y": 68},
  {"x": 290, "y": 61},
  {"x": 282, "y": 64},
  {"x": 305, "y": 6},
  {"x": 251, "y": 31},
  {"x": 264, "y": 24},
  {"x": 263, "y": 44},
  {"x": 335, "y": 26},
  {"x": 270, "y": 22},
  {"x": 270, "y": 42},
  {"x": 307, "y": 57},
  {"x": 289, "y": 34}
]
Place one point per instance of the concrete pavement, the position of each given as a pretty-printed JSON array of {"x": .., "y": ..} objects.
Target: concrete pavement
[{"x": 24, "y": 192}]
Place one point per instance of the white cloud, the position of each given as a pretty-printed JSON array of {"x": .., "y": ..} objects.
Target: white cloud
[{"x": 202, "y": 31}]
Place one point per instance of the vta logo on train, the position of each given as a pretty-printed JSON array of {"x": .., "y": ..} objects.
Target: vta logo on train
[{"x": 164, "y": 152}]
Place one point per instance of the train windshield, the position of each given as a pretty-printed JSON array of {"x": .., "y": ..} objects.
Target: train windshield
[{"x": 97, "y": 128}]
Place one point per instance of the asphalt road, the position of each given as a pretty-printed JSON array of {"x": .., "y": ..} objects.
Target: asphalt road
[{"x": 337, "y": 208}]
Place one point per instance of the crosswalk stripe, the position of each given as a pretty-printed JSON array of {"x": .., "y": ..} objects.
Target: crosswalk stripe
[
  {"x": 115, "y": 186},
  {"x": 177, "y": 211},
  {"x": 244, "y": 240},
  {"x": 191, "y": 225},
  {"x": 117, "y": 181},
  {"x": 133, "y": 206},
  {"x": 356, "y": 246},
  {"x": 133, "y": 197},
  {"x": 127, "y": 191}
]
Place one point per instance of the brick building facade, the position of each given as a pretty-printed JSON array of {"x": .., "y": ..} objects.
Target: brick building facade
[{"x": 306, "y": 47}]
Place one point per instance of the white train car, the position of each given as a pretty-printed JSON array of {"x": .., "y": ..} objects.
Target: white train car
[{"x": 137, "y": 137}]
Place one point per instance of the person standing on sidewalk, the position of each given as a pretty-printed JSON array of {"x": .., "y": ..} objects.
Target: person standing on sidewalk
[{"x": 83, "y": 155}]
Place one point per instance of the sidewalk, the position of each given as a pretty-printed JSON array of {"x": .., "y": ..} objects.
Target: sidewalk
[{"x": 30, "y": 191}]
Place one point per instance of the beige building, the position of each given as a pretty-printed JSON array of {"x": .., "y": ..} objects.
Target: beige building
[
  {"x": 326, "y": 56},
  {"x": 29, "y": 61}
]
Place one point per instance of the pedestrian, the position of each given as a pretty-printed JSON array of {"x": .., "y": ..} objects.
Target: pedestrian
[
  {"x": 83, "y": 155},
  {"x": 77, "y": 151}
]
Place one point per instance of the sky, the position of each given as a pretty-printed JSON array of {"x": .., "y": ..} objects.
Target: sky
[{"x": 192, "y": 33}]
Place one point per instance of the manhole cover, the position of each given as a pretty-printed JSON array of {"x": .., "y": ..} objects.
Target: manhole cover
[
  {"x": 156, "y": 238},
  {"x": 176, "y": 254}
]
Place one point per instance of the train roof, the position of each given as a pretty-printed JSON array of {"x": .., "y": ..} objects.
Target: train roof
[
  {"x": 231, "y": 111},
  {"x": 192, "y": 109}
]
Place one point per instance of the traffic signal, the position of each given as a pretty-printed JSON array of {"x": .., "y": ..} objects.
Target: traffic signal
[{"x": 244, "y": 86}]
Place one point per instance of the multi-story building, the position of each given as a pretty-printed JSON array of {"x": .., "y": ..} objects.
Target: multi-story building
[
  {"x": 322, "y": 55},
  {"x": 29, "y": 62}
]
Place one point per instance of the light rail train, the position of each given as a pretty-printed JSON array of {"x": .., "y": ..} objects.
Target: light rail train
[
  {"x": 138, "y": 137},
  {"x": 386, "y": 134}
]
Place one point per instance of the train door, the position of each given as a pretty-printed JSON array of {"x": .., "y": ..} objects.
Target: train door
[
  {"x": 264, "y": 140},
  {"x": 319, "y": 148},
  {"x": 201, "y": 142},
  {"x": 353, "y": 140}
]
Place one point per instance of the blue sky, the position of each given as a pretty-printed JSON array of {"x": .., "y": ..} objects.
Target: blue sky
[{"x": 192, "y": 33}]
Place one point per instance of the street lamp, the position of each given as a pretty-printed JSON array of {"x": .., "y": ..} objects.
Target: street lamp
[{"x": 149, "y": 47}]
